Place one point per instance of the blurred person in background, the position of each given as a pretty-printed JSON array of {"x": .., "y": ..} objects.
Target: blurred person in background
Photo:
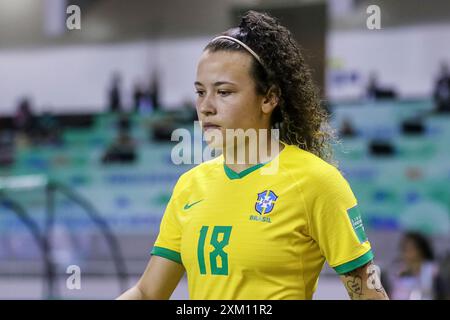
[
  {"x": 189, "y": 110},
  {"x": 372, "y": 87},
  {"x": 138, "y": 94},
  {"x": 114, "y": 94},
  {"x": 443, "y": 288},
  {"x": 123, "y": 148},
  {"x": 49, "y": 129},
  {"x": 25, "y": 120},
  {"x": 417, "y": 277},
  {"x": 347, "y": 129},
  {"x": 441, "y": 92},
  {"x": 7, "y": 148},
  {"x": 153, "y": 91},
  {"x": 375, "y": 91},
  {"x": 142, "y": 99}
]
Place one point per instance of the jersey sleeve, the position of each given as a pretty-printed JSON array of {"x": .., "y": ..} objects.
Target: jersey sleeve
[
  {"x": 167, "y": 244},
  {"x": 336, "y": 224}
]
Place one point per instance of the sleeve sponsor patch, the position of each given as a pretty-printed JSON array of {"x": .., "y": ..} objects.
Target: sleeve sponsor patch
[{"x": 357, "y": 224}]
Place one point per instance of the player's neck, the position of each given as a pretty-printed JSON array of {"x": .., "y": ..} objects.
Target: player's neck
[{"x": 241, "y": 157}]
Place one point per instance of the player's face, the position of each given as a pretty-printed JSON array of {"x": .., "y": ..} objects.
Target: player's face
[{"x": 226, "y": 94}]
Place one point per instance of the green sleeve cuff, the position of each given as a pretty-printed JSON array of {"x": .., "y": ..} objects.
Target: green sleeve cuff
[
  {"x": 354, "y": 264},
  {"x": 167, "y": 253}
]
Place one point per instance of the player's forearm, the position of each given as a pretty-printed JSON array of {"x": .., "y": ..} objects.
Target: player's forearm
[
  {"x": 137, "y": 292},
  {"x": 364, "y": 283},
  {"x": 134, "y": 293},
  {"x": 368, "y": 294}
]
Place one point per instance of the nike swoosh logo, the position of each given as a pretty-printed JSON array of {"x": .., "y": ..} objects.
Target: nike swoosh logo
[{"x": 188, "y": 206}]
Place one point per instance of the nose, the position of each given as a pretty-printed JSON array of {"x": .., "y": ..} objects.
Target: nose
[{"x": 205, "y": 106}]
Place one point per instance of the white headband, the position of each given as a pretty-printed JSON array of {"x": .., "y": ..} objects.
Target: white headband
[{"x": 246, "y": 47}]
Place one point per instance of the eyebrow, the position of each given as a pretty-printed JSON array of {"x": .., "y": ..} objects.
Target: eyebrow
[{"x": 216, "y": 84}]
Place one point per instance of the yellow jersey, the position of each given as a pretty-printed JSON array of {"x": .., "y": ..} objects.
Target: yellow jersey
[{"x": 251, "y": 235}]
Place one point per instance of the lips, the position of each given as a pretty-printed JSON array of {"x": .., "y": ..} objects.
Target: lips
[{"x": 210, "y": 126}]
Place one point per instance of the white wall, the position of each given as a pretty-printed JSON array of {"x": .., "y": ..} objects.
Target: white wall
[
  {"x": 69, "y": 78},
  {"x": 76, "y": 78},
  {"x": 178, "y": 61},
  {"x": 407, "y": 59}
]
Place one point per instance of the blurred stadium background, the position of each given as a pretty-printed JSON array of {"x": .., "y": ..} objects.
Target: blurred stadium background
[{"x": 86, "y": 117}]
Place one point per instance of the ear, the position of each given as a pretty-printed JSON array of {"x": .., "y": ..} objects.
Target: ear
[{"x": 271, "y": 99}]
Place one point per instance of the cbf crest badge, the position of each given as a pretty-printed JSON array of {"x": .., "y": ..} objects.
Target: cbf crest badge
[{"x": 265, "y": 202}]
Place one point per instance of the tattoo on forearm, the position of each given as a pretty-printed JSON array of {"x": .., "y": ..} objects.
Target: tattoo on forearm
[
  {"x": 362, "y": 281},
  {"x": 374, "y": 279},
  {"x": 355, "y": 285}
]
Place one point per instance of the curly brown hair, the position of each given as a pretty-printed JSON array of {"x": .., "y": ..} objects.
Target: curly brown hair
[{"x": 299, "y": 115}]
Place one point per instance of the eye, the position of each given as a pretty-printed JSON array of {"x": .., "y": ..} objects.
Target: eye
[
  {"x": 223, "y": 93},
  {"x": 200, "y": 93}
]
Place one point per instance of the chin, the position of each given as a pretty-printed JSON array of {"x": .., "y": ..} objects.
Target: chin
[{"x": 214, "y": 138}]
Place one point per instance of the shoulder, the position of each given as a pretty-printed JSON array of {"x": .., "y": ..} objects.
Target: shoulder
[
  {"x": 203, "y": 169},
  {"x": 308, "y": 168},
  {"x": 199, "y": 174}
]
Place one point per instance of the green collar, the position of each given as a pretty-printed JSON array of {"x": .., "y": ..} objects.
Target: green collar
[{"x": 234, "y": 175}]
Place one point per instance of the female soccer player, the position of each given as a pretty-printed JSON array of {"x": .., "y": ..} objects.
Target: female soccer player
[{"x": 239, "y": 233}]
